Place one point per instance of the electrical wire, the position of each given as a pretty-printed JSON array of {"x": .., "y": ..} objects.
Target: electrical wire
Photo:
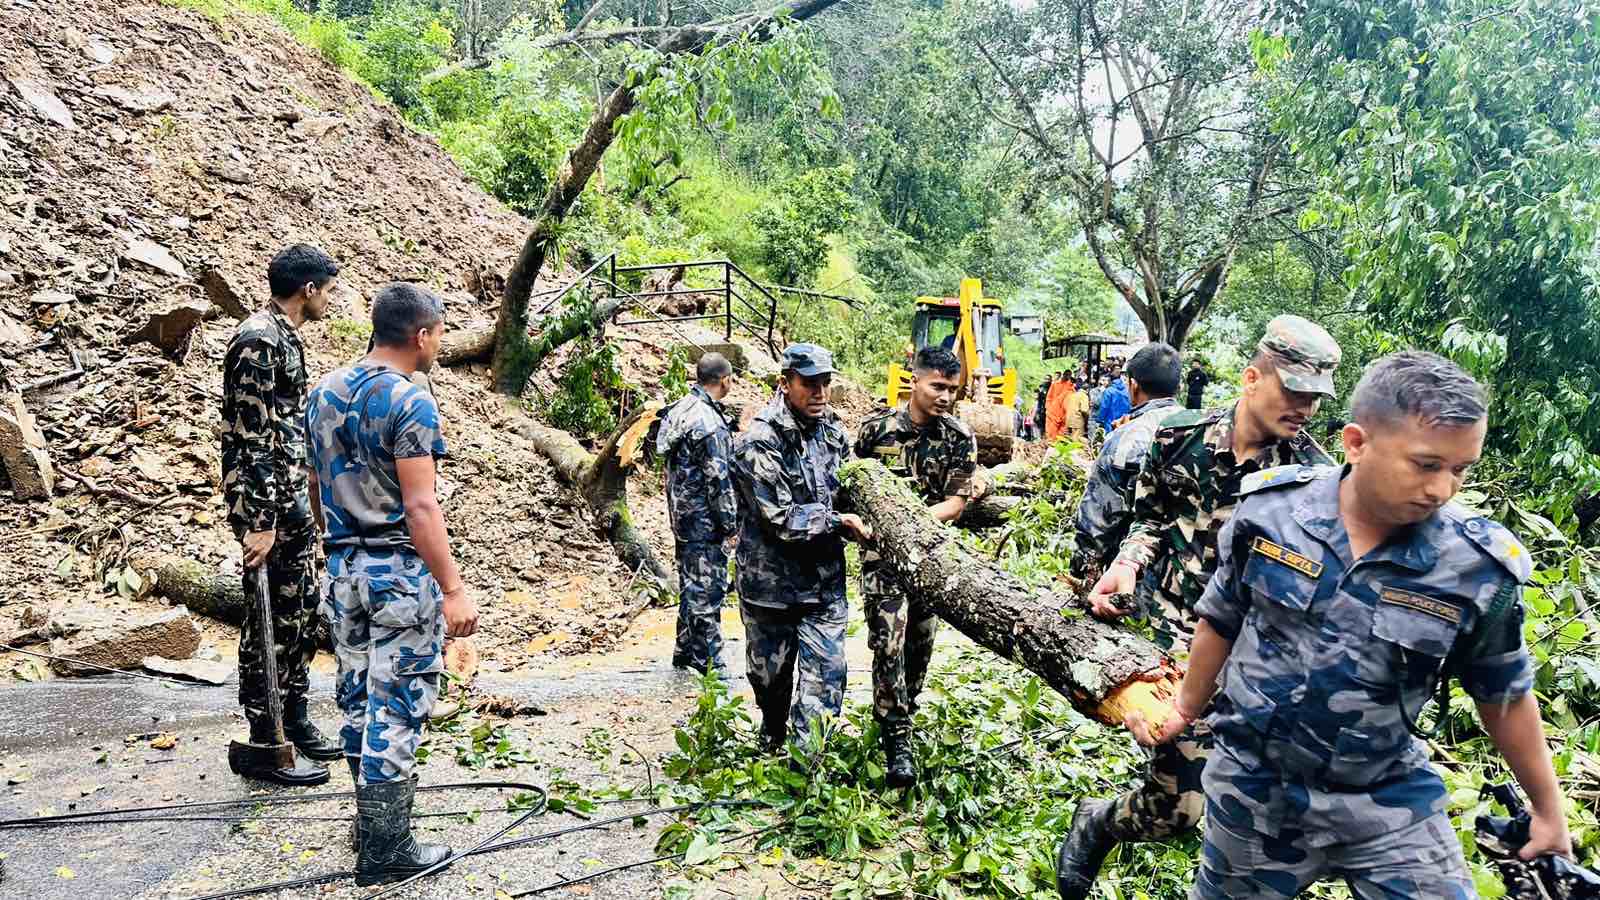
[{"x": 590, "y": 876}]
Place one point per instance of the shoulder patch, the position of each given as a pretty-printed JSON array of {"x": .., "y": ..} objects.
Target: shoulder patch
[
  {"x": 1498, "y": 541},
  {"x": 1277, "y": 476}
]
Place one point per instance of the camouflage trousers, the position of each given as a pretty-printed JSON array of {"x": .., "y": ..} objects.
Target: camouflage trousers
[
  {"x": 702, "y": 585},
  {"x": 1420, "y": 861},
  {"x": 294, "y": 621},
  {"x": 783, "y": 641},
  {"x": 1170, "y": 800},
  {"x": 900, "y": 632},
  {"x": 387, "y": 616}
]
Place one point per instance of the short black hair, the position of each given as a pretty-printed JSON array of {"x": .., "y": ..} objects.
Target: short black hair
[
  {"x": 1156, "y": 367},
  {"x": 1416, "y": 383},
  {"x": 936, "y": 359},
  {"x": 297, "y": 265},
  {"x": 712, "y": 368},
  {"x": 400, "y": 309}
]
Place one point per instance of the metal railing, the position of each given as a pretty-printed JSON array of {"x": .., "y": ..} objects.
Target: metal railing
[{"x": 746, "y": 303}]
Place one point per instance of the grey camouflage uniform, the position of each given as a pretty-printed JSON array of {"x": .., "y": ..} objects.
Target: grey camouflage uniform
[
  {"x": 1107, "y": 504},
  {"x": 384, "y": 607},
  {"x": 1314, "y": 774},
  {"x": 704, "y": 508},
  {"x": 939, "y": 460},
  {"x": 264, "y": 485},
  {"x": 791, "y": 565}
]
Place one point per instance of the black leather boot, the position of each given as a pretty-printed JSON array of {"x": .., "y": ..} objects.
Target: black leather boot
[
  {"x": 388, "y": 850},
  {"x": 303, "y": 733},
  {"x": 900, "y": 769},
  {"x": 1084, "y": 849}
]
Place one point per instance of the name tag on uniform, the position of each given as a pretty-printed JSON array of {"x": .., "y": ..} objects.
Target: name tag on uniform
[
  {"x": 1437, "y": 608},
  {"x": 888, "y": 451},
  {"x": 1281, "y": 554}
]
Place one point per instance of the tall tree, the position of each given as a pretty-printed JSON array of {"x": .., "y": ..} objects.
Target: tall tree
[
  {"x": 1145, "y": 112},
  {"x": 512, "y": 349},
  {"x": 1457, "y": 151}
]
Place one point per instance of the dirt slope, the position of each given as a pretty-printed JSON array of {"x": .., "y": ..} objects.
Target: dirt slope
[{"x": 122, "y": 123}]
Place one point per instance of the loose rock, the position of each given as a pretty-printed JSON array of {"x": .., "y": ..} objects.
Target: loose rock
[
  {"x": 24, "y": 453},
  {"x": 222, "y": 293},
  {"x": 172, "y": 330},
  {"x": 149, "y": 253},
  {"x": 44, "y": 100},
  {"x": 201, "y": 670},
  {"x": 172, "y": 634}
]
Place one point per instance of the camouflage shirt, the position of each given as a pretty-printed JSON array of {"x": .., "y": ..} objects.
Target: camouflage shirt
[
  {"x": 359, "y": 421},
  {"x": 939, "y": 460},
  {"x": 263, "y": 441},
  {"x": 1102, "y": 520},
  {"x": 790, "y": 549},
  {"x": 1185, "y": 493},
  {"x": 696, "y": 443},
  {"x": 1327, "y": 646}
]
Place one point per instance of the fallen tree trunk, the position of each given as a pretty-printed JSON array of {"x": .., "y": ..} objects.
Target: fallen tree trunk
[
  {"x": 602, "y": 480},
  {"x": 203, "y": 589},
  {"x": 1105, "y": 671},
  {"x": 477, "y": 344},
  {"x": 466, "y": 346}
]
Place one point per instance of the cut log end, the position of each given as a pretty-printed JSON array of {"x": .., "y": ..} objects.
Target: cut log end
[{"x": 1150, "y": 699}]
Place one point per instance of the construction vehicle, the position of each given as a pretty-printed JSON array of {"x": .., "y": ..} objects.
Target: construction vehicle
[{"x": 970, "y": 326}]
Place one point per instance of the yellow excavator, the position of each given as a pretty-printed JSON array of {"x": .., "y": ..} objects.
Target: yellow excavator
[{"x": 970, "y": 326}]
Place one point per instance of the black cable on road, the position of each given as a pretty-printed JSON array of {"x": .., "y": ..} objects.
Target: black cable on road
[{"x": 566, "y": 882}]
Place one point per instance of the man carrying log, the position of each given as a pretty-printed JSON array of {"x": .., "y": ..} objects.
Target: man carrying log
[
  {"x": 1343, "y": 598},
  {"x": 264, "y": 483},
  {"x": 791, "y": 549},
  {"x": 392, "y": 591},
  {"x": 1107, "y": 505},
  {"x": 1186, "y": 491},
  {"x": 921, "y": 442},
  {"x": 697, "y": 444}
]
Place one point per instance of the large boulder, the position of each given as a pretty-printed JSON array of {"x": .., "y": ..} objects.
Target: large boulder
[{"x": 125, "y": 643}]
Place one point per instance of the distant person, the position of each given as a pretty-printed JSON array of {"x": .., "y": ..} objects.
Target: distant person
[
  {"x": 1038, "y": 408},
  {"x": 1056, "y": 407},
  {"x": 791, "y": 549},
  {"x": 1114, "y": 404},
  {"x": 1196, "y": 380},
  {"x": 269, "y": 507},
  {"x": 697, "y": 444},
  {"x": 392, "y": 590},
  {"x": 1077, "y": 411}
]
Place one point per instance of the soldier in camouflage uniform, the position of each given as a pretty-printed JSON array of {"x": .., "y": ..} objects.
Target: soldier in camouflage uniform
[
  {"x": 264, "y": 483},
  {"x": 1342, "y": 596},
  {"x": 791, "y": 549},
  {"x": 922, "y": 442},
  {"x": 696, "y": 442},
  {"x": 1107, "y": 504},
  {"x": 1185, "y": 492},
  {"x": 392, "y": 591}
]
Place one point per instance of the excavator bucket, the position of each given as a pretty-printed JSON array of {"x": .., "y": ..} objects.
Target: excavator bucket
[{"x": 994, "y": 426}]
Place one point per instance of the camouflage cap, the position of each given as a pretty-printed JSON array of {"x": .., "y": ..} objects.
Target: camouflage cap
[
  {"x": 1305, "y": 353},
  {"x": 807, "y": 360}
]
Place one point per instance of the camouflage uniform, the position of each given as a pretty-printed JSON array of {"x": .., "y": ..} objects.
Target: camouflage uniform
[
  {"x": 385, "y": 608},
  {"x": 1315, "y": 773},
  {"x": 1102, "y": 520},
  {"x": 940, "y": 460},
  {"x": 704, "y": 509},
  {"x": 791, "y": 565},
  {"x": 264, "y": 483},
  {"x": 1186, "y": 491}
]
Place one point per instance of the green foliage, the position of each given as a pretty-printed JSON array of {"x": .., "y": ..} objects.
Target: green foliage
[
  {"x": 794, "y": 226},
  {"x": 1456, "y": 152},
  {"x": 350, "y": 334},
  {"x": 586, "y": 391},
  {"x": 675, "y": 383},
  {"x": 402, "y": 42},
  {"x": 531, "y": 137}
]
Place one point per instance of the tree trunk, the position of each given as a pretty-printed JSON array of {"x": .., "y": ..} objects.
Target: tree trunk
[
  {"x": 1106, "y": 672},
  {"x": 513, "y": 354},
  {"x": 602, "y": 480},
  {"x": 477, "y": 344},
  {"x": 204, "y": 590},
  {"x": 466, "y": 346}
]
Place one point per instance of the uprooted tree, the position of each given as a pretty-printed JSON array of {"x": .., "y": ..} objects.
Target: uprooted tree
[
  {"x": 1105, "y": 671},
  {"x": 514, "y": 360}
]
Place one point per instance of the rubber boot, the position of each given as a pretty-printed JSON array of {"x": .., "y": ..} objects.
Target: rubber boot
[
  {"x": 900, "y": 769},
  {"x": 303, "y": 774},
  {"x": 1084, "y": 849},
  {"x": 388, "y": 850},
  {"x": 299, "y": 729},
  {"x": 354, "y": 762}
]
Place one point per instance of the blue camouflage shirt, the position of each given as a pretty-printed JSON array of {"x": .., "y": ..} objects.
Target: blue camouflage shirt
[
  {"x": 1308, "y": 726},
  {"x": 790, "y": 549},
  {"x": 696, "y": 443},
  {"x": 1106, "y": 510},
  {"x": 359, "y": 421}
]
